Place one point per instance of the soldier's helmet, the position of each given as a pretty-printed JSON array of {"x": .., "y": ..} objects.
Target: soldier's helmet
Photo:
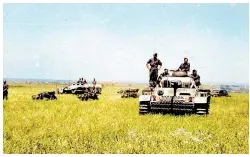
[
  {"x": 4, "y": 81},
  {"x": 155, "y": 54},
  {"x": 194, "y": 71}
]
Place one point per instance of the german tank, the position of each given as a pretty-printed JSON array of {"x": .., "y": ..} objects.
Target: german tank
[{"x": 176, "y": 93}]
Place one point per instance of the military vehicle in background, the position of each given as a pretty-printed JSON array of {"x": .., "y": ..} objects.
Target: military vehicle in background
[
  {"x": 45, "y": 95},
  {"x": 88, "y": 95},
  {"x": 176, "y": 93},
  {"x": 129, "y": 93},
  {"x": 75, "y": 88},
  {"x": 89, "y": 87},
  {"x": 219, "y": 93},
  {"x": 79, "y": 88},
  {"x": 91, "y": 92}
]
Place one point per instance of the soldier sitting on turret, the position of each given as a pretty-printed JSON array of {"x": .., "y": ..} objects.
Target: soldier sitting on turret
[
  {"x": 184, "y": 66},
  {"x": 196, "y": 78},
  {"x": 80, "y": 80},
  {"x": 165, "y": 73}
]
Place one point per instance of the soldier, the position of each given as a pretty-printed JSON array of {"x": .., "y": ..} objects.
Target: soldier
[
  {"x": 153, "y": 65},
  {"x": 5, "y": 90},
  {"x": 94, "y": 82},
  {"x": 196, "y": 78},
  {"x": 185, "y": 66},
  {"x": 165, "y": 73},
  {"x": 84, "y": 81},
  {"x": 79, "y": 81}
]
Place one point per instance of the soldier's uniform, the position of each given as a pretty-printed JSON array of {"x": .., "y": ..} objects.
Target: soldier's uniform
[
  {"x": 165, "y": 73},
  {"x": 196, "y": 79},
  {"x": 5, "y": 90},
  {"x": 84, "y": 81},
  {"x": 94, "y": 82},
  {"x": 153, "y": 72},
  {"x": 185, "y": 67}
]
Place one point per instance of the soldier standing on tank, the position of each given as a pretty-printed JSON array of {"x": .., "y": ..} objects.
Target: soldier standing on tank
[
  {"x": 94, "y": 82},
  {"x": 5, "y": 90},
  {"x": 196, "y": 78},
  {"x": 153, "y": 64},
  {"x": 185, "y": 66}
]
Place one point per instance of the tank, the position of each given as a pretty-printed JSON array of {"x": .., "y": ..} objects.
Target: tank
[
  {"x": 176, "y": 93},
  {"x": 129, "y": 93}
]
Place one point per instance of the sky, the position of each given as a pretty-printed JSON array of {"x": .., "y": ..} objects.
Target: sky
[{"x": 113, "y": 42}]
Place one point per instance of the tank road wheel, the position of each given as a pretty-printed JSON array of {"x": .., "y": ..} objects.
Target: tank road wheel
[
  {"x": 144, "y": 107},
  {"x": 73, "y": 91},
  {"x": 207, "y": 110},
  {"x": 60, "y": 91}
]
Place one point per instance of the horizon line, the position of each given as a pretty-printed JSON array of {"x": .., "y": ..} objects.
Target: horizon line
[{"x": 136, "y": 82}]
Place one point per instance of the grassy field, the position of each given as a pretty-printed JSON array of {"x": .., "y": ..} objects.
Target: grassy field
[{"x": 113, "y": 125}]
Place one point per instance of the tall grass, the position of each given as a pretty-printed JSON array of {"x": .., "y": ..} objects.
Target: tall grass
[{"x": 113, "y": 125}]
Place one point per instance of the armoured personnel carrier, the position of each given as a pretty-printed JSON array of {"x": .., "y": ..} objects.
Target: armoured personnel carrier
[
  {"x": 79, "y": 88},
  {"x": 176, "y": 93},
  {"x": 72, "y": 89}
]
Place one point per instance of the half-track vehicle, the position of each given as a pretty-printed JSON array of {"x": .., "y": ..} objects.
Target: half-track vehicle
[
  {"x": 79, "y": 88},
  {"x": 175, "y": 93},
  {"x": 219, "y": 93},
  {"x": 74, "y": 88},
  {"x": 128, "y": 93}
]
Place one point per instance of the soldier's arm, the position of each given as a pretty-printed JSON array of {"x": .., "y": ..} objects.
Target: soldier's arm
[
  {"x": 198, "y": 78},
  {"x": 180, "y": 67},
  {"x": 160, "y": 65},
  {"x": 160, "y": 76},
  {"x": 147, "y": 64},
  {"x": 188, "y": 67}
]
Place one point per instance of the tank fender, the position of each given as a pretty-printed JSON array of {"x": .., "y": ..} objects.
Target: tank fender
[
  {"x": 144, "y": 98},
  {"x": 200, "y": 99}
]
